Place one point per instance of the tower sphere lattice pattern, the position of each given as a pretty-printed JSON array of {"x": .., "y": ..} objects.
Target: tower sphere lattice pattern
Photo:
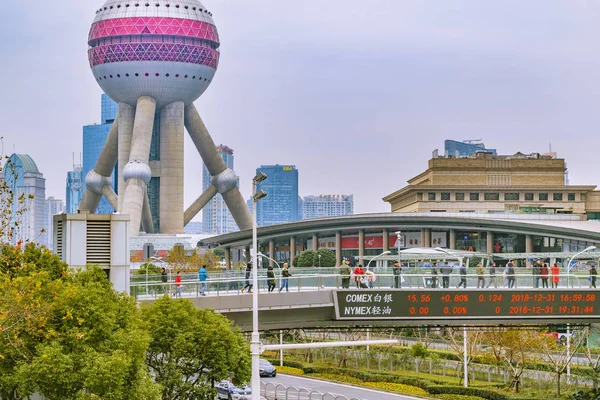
[{"x": 166, "y": 49}]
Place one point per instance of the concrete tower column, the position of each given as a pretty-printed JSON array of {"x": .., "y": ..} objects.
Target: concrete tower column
[
  {"x": 315, "y": 242},
  {"x": 171, "y": 168},
  {"x": 452, "y": 244},
  {"x": 137, "y": 172},
  {"x": 228, "y": 257},
  {"x": 125, "y": 121},
  {"x": 386, "y": 240},
  {"x": 361, "y": 246},
  {"x": 490, "y": 242},
  {"x": 292, "y": 250},
  {"x": 271, "y": 252},
  {"x": 528, "y": 244},
  {"x": 338, "y": 249}
]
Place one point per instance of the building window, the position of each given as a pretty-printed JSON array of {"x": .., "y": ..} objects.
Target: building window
[
  {"x": 474, "y": 196},
  {"x": 459, "y": 196},
  {"x": 528, "y": 196},
  {"x": 557, "y": 196},
  {"x": 431, "y": 196},
  {"x": 491, "y": 196},
  {"x": 511, "y": 196},
  {"x": 571, "y": 196},
  {"x": 445, "y": 196},
  {"x": 543, "y": 196},
  {"x": 593, "y": 216}
]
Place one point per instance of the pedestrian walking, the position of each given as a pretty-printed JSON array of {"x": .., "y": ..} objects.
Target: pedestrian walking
[
  {"x": 178, "y": 285},
  {"x": 434, "y": 275},
  {"x": 480, "y": 276},
  {"x": 544, "y": 275},
  {"x": 555, "y": 271},
  {"x": 463, "y": 277},
  {"x": 492, "y": 273},
  {"x": 285, "y": 274},
  {"x": 593, "y": 275},
  {"x": 345, "y": 272},
  {"x": 446, "y": 270},
  {"x": 202, "y": 277},
  {"x": 397, "y": 270},
  {"x": 248, "y": 277},
  {"x": 164, "y": 278},
  {"x": 537, "y": 273},
  {"x": 270, "y": 279},
  {"x": 511, "y": 274}
]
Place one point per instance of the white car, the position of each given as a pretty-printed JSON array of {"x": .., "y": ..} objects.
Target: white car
[{"x": 228, "y": 391}]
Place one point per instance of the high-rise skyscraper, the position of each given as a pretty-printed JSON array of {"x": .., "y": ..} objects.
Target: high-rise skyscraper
[
  {"x": 94, "y": 137},
  {"x": 74, "y": 188},
  {"x": 281, "y": 203},
  {"x": 52, "y": 207},
  {"x": 216, "y": 218},
  {"x": 22, "y": 176},
  {"x": 327, "y": 206}
]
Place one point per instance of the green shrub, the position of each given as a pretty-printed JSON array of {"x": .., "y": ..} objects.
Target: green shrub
[
  {"x": 418, "y": 350},
  {"x": 468, "y": 391},
  {"x": 457, "y": 397}
]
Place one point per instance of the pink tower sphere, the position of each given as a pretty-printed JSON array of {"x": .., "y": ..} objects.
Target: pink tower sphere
[{"x": 166, "y": 49}]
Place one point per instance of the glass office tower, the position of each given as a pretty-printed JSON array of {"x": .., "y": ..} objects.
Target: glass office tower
[
  {"x": 281, "y": 203},
  {"x": 94, "y": 137}
]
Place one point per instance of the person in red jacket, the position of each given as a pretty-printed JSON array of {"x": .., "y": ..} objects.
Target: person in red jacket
[
  {"x": 178, "y": 285},
  {"x": 359, "y": 273},
  {"x": 555, "y": 270}
]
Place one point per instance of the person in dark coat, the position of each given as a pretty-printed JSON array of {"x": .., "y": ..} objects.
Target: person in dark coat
[
  {"x": 463, "y": 277},
  {"x": 270, "y": 279},
  {"x": 593, "y": 275},
  {"x": 397, "y": 270},
  {"x": 492, "y": 273},
  {"x": 248, "y": 284},
  {"x": 434, "y": 275}
]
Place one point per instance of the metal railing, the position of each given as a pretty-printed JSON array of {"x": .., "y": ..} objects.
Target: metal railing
[
  {"x": 191, "y": 287},
  {"x": 276, "y": 391}
]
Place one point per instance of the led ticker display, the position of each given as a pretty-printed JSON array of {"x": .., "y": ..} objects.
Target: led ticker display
[{"x": 467, "y": 304}]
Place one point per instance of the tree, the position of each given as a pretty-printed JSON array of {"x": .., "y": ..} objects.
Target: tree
[
  {"x": 190, "y": 348},
  {"x": 306, "y": 259},
  {"x": 179, "y": 260},
  {"x": 592, "y": 359},
  {"x": 152, "y": 269},
  {"x": 455, "y": 341},
  {"x": 219, "y": 252},
  {"x": 327, "y": 258},
  {"x": 67, "y": 335},
  {"x": 514, "y": 348},
  {"x": 558, "y": 355}
]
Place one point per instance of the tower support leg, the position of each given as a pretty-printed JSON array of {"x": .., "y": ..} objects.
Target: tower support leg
[
  {"x": 126, "y": 120},
  {"x": 223, "y": 178},
  {"x": 137, "y": 173},
  {"x": 98, "y": 179},
  {"x": 171, "y": 168}
]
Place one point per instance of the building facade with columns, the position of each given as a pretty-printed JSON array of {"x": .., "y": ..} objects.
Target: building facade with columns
[
  {"x": 486, "y": 183},
  {"x": 358, "y": 237}
]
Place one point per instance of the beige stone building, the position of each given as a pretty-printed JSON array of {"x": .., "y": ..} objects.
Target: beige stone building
[{"x": 484, "y": 183}]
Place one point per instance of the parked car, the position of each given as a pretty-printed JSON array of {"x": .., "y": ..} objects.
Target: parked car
[
  {"x": 267, "y": 369},
  {"x": 228, "y": 391}
]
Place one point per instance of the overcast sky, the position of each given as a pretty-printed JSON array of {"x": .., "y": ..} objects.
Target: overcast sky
[{"x": 355, "y": 93}]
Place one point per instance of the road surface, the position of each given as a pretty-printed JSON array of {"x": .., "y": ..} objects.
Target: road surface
[{"x": 335, "y": 388}]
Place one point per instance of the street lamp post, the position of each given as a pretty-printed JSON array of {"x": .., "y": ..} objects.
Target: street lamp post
[
  {"x": 377, "y": 256},
  {"x": 255, "y": 341},
  {"x": 318, "y": 255},
  {"x": 571, "y": 261},
  {"x": 465, "y": 356}
]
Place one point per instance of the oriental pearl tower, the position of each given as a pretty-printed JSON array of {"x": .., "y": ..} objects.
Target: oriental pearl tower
[{"x": 154, "y": 58}]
